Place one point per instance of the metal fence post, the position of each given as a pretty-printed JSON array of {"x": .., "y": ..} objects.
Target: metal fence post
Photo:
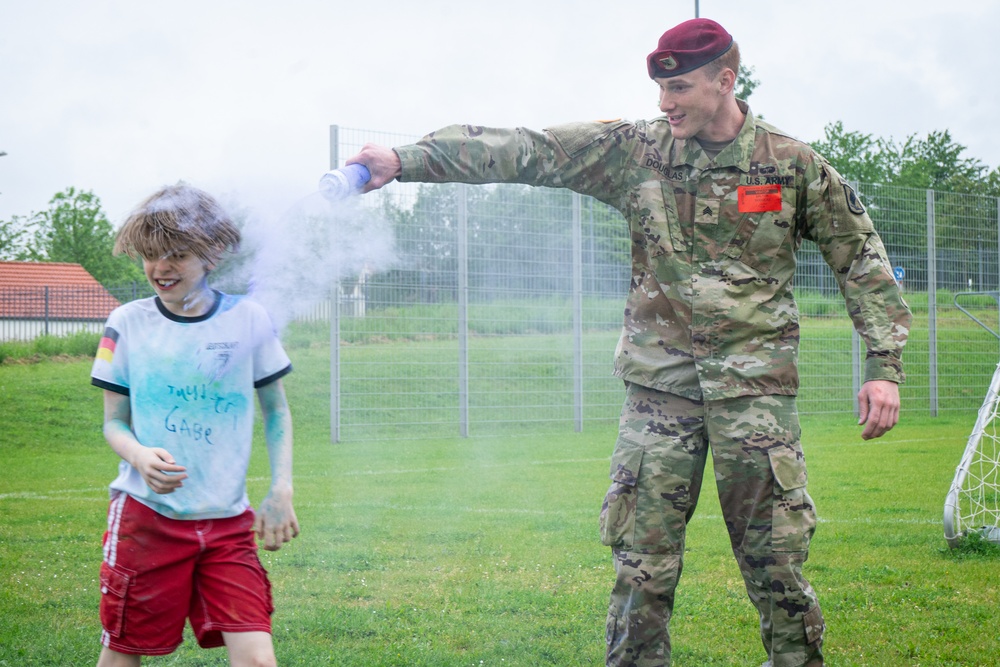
[
  {"x": 577, "y": 313},
  {"x": 463, "y": 310},
  {"x": 46, "y": 310},
  {"x": 857, "y": 361},
  {"x": 334, "y": 310},
  {"x": 932, "y": 360}
]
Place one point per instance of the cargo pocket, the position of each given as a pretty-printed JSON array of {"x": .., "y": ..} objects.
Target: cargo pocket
[
  {"x": 613, "y": 635},
  {"x": 793, "y": 517},
  {"x": 618, "y": 511},
  {"x": 115, "y": 583},
  {"x": 814, "y": 625}
]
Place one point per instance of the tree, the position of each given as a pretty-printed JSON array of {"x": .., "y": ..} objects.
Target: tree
[
  {"x": 894, "y": 178},
  {"x": 857, "y": 156},
  {"x": 935, "y": 162},
  {"x": 75, "y": 229},
  {"x": 745, "y": 83},
  {"x": 13, "y": 238}
]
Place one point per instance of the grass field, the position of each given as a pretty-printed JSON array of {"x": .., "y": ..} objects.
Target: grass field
[{"x": 484, "y": 551}]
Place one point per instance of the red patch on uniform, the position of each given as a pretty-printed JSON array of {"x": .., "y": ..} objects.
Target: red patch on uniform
[{"x": 759, "y": 198}]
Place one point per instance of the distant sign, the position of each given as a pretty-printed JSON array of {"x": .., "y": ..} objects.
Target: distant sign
[{"x": 900, "y": 273}]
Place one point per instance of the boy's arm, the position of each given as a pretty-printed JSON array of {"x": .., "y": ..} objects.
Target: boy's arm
[
  {"x": 153, "y": 463},
  {"x": 276, "y": 523}
]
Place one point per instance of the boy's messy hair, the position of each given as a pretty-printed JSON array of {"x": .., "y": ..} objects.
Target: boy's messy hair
[{"x": 178, "y": 217}]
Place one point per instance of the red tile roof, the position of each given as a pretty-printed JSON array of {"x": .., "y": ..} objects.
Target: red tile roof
[{"x": 73, "y": 294}]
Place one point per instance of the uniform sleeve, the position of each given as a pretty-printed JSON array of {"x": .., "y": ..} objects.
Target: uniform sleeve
[
  {"x": 270, "y": 361},
  {"x": 584, "y": 157},
  {"x": 839, "y": 225},
  {"x": 110, "y": 369}
]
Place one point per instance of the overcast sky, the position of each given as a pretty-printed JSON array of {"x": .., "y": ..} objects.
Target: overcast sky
[{"x": 236, "y": 97}]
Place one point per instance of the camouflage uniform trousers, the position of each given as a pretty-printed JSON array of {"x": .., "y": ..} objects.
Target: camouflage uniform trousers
[{"x": 656, "y": 473}]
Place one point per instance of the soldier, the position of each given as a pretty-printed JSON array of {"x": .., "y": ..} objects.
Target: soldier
[{"x": 717, "y": 202}]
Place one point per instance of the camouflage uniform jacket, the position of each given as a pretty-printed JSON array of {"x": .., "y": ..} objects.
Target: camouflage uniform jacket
[{"x": 710, "y": 312}]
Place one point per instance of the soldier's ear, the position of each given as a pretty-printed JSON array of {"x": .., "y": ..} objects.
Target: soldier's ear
[{"x": 727, "y": 80}]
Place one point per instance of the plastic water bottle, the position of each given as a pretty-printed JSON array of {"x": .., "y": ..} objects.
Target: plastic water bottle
[{"x": 345, "y": 181}]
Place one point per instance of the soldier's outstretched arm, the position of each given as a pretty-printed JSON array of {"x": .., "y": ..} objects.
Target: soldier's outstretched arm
[{"x": 382, "y": 163}]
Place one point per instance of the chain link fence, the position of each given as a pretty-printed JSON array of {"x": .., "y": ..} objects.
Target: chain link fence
[
  {"x": 55, "y": 310},
  {"x": 503, "y": 307},
  {"x": 538, "y": 278}
]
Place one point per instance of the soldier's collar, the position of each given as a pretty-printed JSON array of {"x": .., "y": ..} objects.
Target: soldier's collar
[{"x": 737, "y": 154}]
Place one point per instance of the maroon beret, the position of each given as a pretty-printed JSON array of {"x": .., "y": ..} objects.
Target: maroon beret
[{"x": 688, "y": 46}]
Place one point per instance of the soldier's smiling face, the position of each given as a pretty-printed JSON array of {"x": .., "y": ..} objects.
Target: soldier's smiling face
[{"x": 692, "y": 103}]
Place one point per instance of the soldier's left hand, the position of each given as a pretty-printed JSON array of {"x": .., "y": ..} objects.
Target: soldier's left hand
[{"x": 878, "y": 407}]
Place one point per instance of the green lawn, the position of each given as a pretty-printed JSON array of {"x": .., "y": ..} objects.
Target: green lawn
[{"x": 484, "y": 551}]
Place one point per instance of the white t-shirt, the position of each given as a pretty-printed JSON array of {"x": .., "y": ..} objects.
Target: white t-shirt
[{"x": 190, "y": 383}]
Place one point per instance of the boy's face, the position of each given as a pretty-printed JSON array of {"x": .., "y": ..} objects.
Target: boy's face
[{"x": 180, "y": 280}]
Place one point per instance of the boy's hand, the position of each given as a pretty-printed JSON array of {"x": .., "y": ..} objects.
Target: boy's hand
[
  {"x": 158, "y": 469},
  {"x": 275, "y": 523}
]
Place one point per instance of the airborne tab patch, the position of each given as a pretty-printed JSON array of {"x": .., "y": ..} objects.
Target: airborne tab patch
[{"x": 759, "y": 198}]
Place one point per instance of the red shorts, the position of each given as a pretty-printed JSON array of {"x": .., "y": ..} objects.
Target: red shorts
[{"x": 158, "y": 571}]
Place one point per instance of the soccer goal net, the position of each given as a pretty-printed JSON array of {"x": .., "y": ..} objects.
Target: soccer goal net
[{"x": 973, "y": 502}]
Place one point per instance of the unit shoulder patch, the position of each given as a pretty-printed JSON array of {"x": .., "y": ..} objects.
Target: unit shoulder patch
[{"x": 854, "y": 204}]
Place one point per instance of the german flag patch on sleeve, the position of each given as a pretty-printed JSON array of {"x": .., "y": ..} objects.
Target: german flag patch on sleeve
[{"x": 106, "y": 348}]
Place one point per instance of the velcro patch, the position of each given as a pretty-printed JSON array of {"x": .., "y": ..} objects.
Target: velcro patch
[
  {"x": 853, "y": 202},
  {"x": 759, "y": 198}
]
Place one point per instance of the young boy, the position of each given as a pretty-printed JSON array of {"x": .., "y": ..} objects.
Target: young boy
[{"x": 178, "y": 372}]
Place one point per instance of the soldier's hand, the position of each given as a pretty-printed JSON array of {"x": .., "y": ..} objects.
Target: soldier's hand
[
  {"x": 878, "y": 407},
  {"x": 382, "y": 162}
]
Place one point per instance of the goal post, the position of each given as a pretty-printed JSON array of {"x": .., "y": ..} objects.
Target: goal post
[{"x": 973, "y": 501}]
